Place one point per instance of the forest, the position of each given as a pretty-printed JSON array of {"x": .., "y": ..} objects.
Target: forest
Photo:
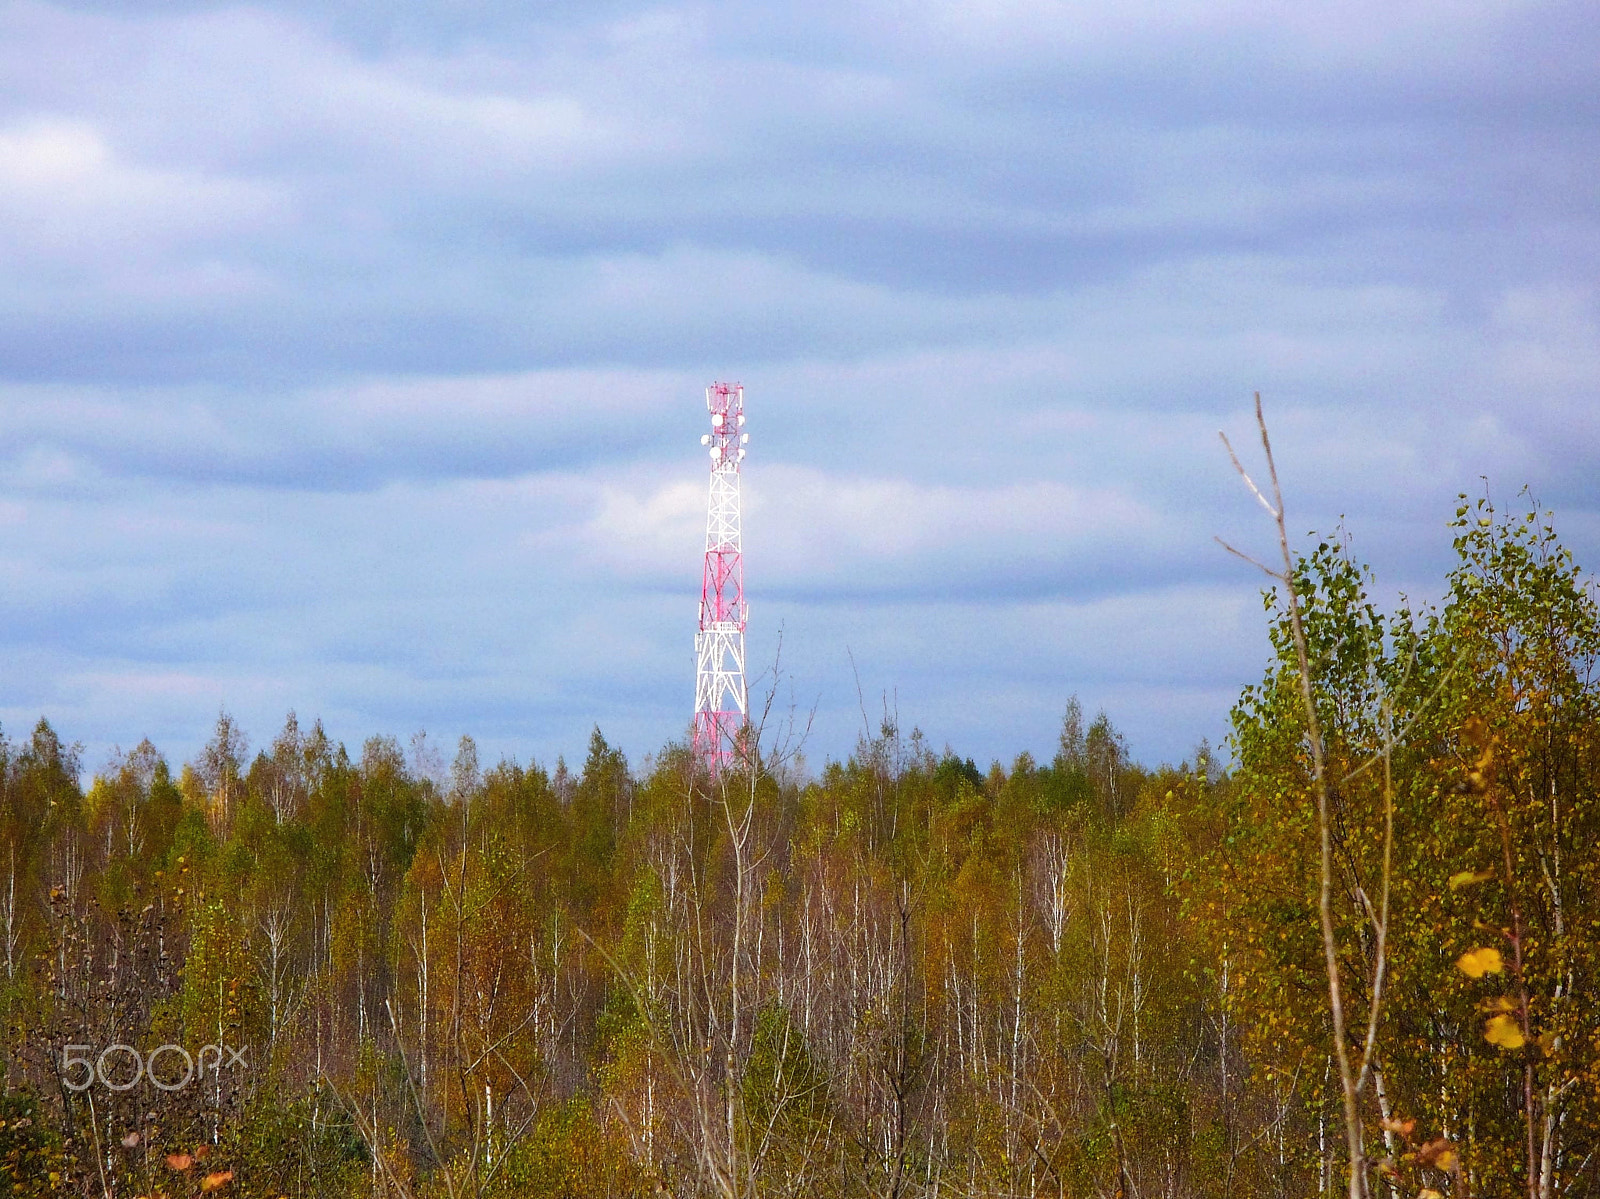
[{"x": 1353, "y": 951}]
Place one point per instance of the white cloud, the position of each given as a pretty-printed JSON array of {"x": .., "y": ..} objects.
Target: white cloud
[
  {"x": 1549, "y": 340},
  {"x": 817, "y": 533},
  {"x": 65, "y": 196}
]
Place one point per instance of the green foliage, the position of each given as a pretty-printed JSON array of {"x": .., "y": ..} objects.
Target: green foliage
[
  {"x": 568, "y": 1154},
  {"x": 1482, "y": 717},
  {"x": 31, "y": 1160},
  {"x": 301, "y": 1146},
  {"x": 783, "y": 1088}
]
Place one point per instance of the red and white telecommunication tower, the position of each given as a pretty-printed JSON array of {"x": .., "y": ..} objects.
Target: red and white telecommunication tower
[{"x": 720, "y": 701}]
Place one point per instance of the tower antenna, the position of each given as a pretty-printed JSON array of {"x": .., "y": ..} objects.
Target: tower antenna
[{"x": 720, "y": 702}]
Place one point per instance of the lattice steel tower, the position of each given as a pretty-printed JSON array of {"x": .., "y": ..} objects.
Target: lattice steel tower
[{"x": 720, "y": 701}]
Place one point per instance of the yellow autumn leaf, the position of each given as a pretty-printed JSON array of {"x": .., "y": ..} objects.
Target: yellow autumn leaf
[
  {"x": 1478, "y": 962},
  {"x": 1502, "y": 1032},
  {"x": 1497, "y": 1003},
  {"x": 1466, "y": 878},
  {"x": 1429, "y": 1193}
]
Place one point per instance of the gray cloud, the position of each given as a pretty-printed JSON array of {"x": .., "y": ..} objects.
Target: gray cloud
[{"x": 349, "y": 359}]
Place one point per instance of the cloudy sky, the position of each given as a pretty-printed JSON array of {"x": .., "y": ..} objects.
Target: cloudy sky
[{"x": 352, "y": 355}]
